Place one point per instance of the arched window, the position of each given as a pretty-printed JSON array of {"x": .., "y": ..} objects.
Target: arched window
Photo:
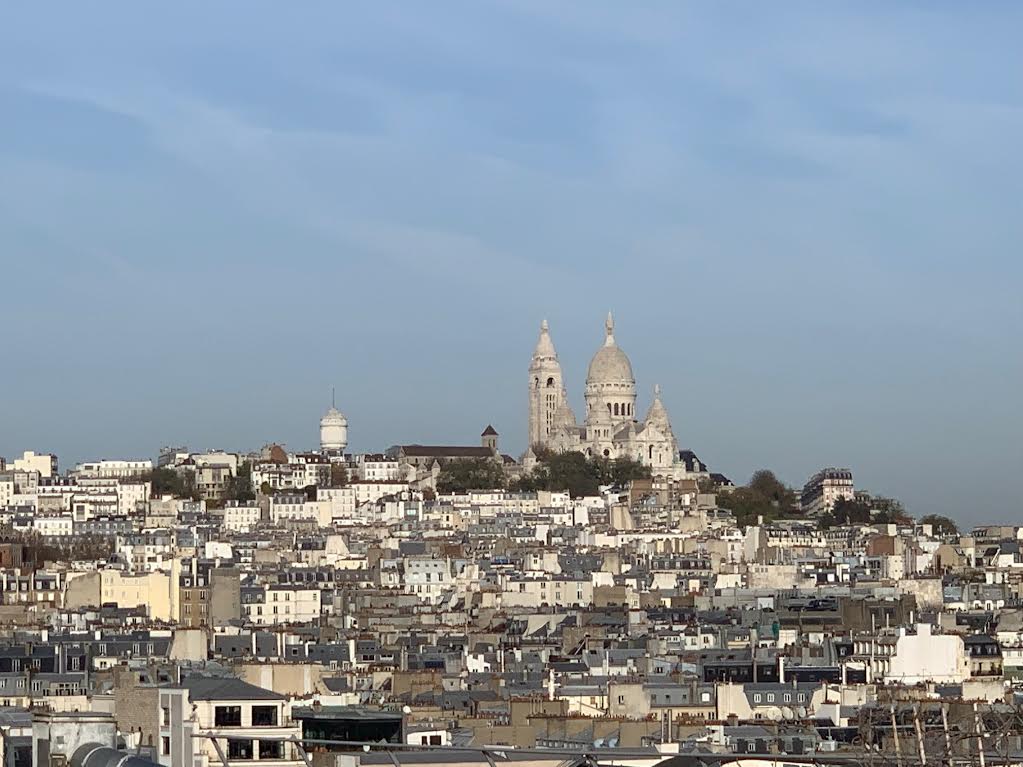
[
  {"x": 550, "y": 382},
  {"x": 536, "y": 383},
  {"x": 609, "y": 408},
  {"x": 651, "y": 452},
  {"x": 606, "y": 452},
  {"x": 616, "y": 408}
]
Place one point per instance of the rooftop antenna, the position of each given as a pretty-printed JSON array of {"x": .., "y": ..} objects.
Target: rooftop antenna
[{"x": 332, "y": 396}]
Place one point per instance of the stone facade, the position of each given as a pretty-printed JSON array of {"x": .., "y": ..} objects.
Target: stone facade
[{"x": 610, "y": 427}]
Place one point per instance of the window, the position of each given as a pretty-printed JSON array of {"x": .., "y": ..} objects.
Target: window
[
  {"x": 165, "y": 745},
  {"x": 271, "y": 749},
  {"x": 228, "y": 716},
  {"x": 239, "y": 749},
  {"x": 165, "y": 716},
  {"x": 264, "y": 716}
]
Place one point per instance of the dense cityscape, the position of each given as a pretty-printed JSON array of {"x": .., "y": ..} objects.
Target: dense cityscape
[{"x": 601, "y": 596}]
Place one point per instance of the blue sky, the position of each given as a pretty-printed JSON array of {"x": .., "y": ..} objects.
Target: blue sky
[{"x": 807, "y": 217}]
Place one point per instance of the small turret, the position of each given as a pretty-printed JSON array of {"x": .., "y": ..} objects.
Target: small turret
[{"x": 489, "y": 438}]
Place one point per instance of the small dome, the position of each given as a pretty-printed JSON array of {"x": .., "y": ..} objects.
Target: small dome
[
  {"x": 334, "y": 417},
  {"x": 610, "y": 364}
]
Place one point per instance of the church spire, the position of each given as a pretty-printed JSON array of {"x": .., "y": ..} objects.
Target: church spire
[
  {"x": 546, "y": 388},
  {"x": 544, "y": 344}
]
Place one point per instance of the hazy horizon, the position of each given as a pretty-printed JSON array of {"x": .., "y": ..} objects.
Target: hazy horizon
[{"x": 807, "y": 219}]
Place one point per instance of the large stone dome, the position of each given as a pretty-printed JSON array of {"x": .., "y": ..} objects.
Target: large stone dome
[{"x": 610, "y": 364}]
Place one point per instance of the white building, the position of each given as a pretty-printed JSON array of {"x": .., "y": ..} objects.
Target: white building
[
  {"x": 341, "y": 499},
  {"x": 55, "y": 525},
  {"x": 824, "y": 488},
  {"x": 297, "y": 507},
  {"x": 610, "y": 427},
  {"x": 926, "y": 657},
  {"x": 285, "y": 603},
  {"x": 241, "y": 516},
  {"x": 113, "y": 469},
  {"x": 376, "y": 467},
  {"x": 42, "y": 463},
  {"x": 426, "y": 577},
  {"x": 250, "y": 724}
]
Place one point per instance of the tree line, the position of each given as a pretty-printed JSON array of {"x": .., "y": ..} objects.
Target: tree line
[{"x": 571, "y": 472}]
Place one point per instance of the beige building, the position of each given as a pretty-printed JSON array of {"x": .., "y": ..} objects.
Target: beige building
[{"x": 93, "y": 589}]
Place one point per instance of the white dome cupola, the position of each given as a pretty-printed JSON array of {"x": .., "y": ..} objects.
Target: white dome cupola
[
  {"x": 333, "y": 431},
  {"x": 609, "y": 380}
]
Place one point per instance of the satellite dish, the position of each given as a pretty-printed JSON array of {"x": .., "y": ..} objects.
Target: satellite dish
[
  {"x": 598, "y": 743},
  {"x": 406, "y": 709},
  {"x": 801, "y": 711},
  {"x": 787, "y": 712}
]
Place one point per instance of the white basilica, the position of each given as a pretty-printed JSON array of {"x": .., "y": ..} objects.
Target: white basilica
[{"x": 610, "y": 428}]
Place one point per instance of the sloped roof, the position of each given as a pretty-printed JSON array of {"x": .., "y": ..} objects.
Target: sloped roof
[
  {"x": 447, "y": 451},
  {"x": 209, "y": 688}
]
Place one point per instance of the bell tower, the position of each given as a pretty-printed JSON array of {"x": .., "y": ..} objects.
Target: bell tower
[{"x": 546, "y": 388}]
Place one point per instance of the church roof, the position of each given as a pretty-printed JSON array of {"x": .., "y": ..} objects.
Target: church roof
[
  {"x": 657, "y": 415},
  {"x": 447, "y": 451},
  {"x": 610, "y": 363},
  {"x": 563, "y": 416},
  {"x": 598, "y": 413},
  {"x": 490, "y": 431}
]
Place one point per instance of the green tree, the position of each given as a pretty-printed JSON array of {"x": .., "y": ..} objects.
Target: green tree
[
  {"x": 763, "y": 496},
  {"x": 239, "y": 487},
  {"x": 941, "y": 525},
  {"x": 338, "y": 474},
  {"x": 164, "y": 481},
  {"x": 773, "y": 489},
  {"x": 621, "y": 471},
  {"x": 850, "y": 512},
  {"x": 578, "y": 474},
  {"x": 462, "y": 475},
  {"x": 570, "y": 472},
  {"x": 177, "y": 482}
]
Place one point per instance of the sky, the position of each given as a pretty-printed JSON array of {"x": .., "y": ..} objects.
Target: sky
[{"x": 807, "y": 218}]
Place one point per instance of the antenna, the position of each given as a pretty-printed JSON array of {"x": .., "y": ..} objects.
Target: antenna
[{"x": 332, "y": 396}]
